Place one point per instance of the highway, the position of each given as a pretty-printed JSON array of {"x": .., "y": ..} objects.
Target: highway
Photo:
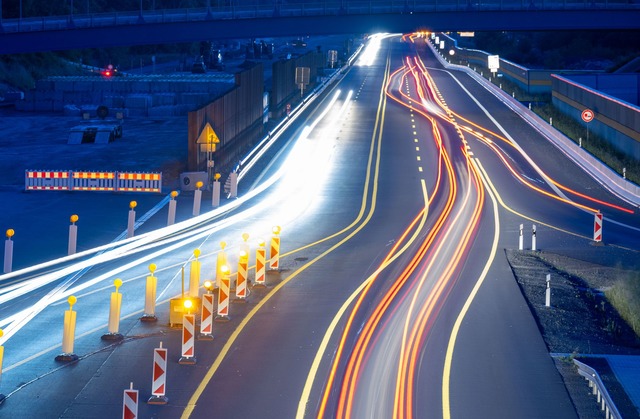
[{"x": 397, "y": 196}]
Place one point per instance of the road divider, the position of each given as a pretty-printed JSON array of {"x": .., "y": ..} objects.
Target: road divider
[{"x": 150, "y": 296}]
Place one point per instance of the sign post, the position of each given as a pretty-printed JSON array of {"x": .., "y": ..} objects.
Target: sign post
[{"x": 587, "y": 116}]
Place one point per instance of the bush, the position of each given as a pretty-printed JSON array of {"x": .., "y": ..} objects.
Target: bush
[{"x": 624, "y": 295}]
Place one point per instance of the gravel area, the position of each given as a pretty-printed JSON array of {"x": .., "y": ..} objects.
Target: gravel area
[{"x": 578, "y": 323}]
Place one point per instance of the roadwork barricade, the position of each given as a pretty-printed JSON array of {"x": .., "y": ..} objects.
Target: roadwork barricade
[{"x": 69, "y": 180}]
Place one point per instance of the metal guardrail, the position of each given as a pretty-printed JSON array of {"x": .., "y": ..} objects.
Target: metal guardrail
[
  {"x": 276, "y": 8},
  {"x": 599, "y": 390}
]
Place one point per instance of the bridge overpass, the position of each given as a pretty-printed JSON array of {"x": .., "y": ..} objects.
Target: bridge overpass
[{"x": 300, "y": 17}]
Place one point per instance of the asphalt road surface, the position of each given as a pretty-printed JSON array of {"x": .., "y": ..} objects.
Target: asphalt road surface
[{"x": 397, "y": 195}]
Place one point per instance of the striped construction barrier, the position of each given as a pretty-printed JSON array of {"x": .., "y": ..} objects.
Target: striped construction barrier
[
  {"x": 93, "y": 181},
  {"x": 41, "y": 180},
  {"x": 68, "y": 180},
  {"x": 139, "y": 182}
]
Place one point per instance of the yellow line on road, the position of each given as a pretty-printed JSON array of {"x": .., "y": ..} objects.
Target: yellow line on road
[
  {"x": 225, "y": 350},
  {"x": 446, "y": 375}
]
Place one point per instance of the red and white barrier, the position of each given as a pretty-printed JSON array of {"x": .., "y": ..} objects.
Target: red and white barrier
[
  {"x": 188, "y": 339},
  {"x": 261, "y": 257},
  {"x": 130, "y": 403},
  {"x": 139, "y": 182},
  {"x": 597, "y": 228},
  {"x": 241, "y": 282},
  {"x": 69, "y": 180},
  {"x": 223, "y": 295},
  {"x": 206, "y": 319},
  {"x": 93, "y": 181},
  {"x": 41, "y": 180},
  {"x": 159, "y": 379},
  {"x": 274, "y": 256}
]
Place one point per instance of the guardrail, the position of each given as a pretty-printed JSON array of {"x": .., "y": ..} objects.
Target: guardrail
[
  {"x": 599, "y": 390},
  {"x": 607, "y": 177},
  {"x": 69, "y": 180}
]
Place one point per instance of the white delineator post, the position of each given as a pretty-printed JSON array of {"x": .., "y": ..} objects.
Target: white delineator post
[
  {"x": 188, "y": 335},
  {"x": 215, "y": 195},
  {"x": 233, "y": 188},
  {"x": 159, "y": 379},
  {"x": 171, "y": 217},
  {"x": 521, "y": 238},
  {"x": 547, "y": 297},
  {"x": 73, "y": 235},
  {"x": 68, "y": 333},
  {"x": 533, "y": 237},
  {"x": 8, "y": 251},
  {"x": 194, "y": 275},
  {"x": 197, "y": 198},
  {"x": 114, "y": 313},
  {"x": 597, "y": 227},
  {"x": 132, "y": 219},
  {"x": 274, "y": 256},
  {"x": 261, "y": 257},
  {"x": 150, "y": 296},
  {"x": 223, "y": 295}
]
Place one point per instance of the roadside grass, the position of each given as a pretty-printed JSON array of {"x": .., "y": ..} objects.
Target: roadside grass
[
  {"x": 624, "y": 296},
  {"x": 573, "y": 129}
]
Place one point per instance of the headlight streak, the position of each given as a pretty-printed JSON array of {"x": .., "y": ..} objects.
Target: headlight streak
[
  {"x": 352, "y": 369},
  {"x": 318, "y": 156},
  {"x": 408, "y": 367}
]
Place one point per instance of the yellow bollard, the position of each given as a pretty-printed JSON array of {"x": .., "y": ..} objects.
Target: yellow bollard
[
  {"x": 221, "y": 261},
  {"x": 114, "y": 314},
  {"x": 68, "y": 333},
  {"x": 150, "y": 296},
  {"x": 194, "y": 275}
]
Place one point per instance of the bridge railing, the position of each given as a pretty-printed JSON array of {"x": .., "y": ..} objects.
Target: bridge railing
[{"x": 268, "y": 9}]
